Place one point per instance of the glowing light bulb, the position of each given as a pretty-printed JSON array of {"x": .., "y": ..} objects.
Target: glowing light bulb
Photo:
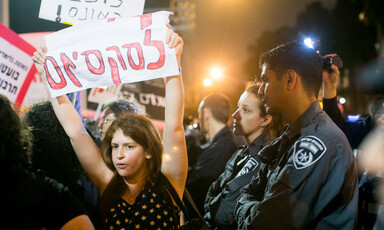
[
  {"x": 308, "y": 42},
  {"x": 207, "y": 82}
]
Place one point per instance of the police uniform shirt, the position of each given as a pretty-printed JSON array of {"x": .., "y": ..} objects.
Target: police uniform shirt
[
  {"x": 223, "y": 193},
  {"x": 313, "y": 184},
  {"x": 210, "y": 165}
]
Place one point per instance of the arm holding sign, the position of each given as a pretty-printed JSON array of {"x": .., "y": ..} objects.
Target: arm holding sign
[
  {"x": 86, "y": 150},
  {"x": 175, "y": 162}
]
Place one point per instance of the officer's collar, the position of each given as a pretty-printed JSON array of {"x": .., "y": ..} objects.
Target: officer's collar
[
  {"x": 257, "y": 144},
  {"x": 222, "y": 132},
  {"x": 304, "y": 119}
]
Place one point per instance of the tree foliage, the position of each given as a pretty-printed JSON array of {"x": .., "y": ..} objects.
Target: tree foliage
[{"x": 339, "y": 30}]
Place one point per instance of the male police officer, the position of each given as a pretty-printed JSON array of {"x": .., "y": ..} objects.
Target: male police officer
[
  {"x": 311, "y": 183},
  {"x": 214, "y": 111}
]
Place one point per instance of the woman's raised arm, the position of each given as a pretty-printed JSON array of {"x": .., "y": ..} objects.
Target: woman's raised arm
[
  {"x": 86, "y": 149},
  {"x": 175, "y": 161}
]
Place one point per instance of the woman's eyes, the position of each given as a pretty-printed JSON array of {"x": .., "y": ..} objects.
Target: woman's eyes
[{"x": 126, "y": 146}]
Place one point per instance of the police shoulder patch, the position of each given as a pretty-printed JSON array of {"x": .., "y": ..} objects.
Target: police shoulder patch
[{"x": 307, "y": 151}]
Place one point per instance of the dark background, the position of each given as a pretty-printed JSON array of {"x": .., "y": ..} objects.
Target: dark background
[{"x": 234, "y": 33}]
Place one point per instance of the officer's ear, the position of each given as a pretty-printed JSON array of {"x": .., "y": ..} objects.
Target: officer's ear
[
  {"x": 207, "y": 113},
  {"x": 291, "y": 79}
]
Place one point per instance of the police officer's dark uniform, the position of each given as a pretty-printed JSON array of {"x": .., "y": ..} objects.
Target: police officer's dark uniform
[
  {"x": 311, "y": 185},
  {"x": 222, "y": 195},
  {"x": 210, "y": 164}
]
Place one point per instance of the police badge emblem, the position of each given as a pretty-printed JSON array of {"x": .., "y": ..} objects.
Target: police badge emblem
[{"x": 307, "y": 151}]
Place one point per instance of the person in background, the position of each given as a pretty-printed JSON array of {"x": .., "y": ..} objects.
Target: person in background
[
  {"x": 126, "y": 171},
  {"x": 356, "y": 132},
  {"x": 31, "y": 200},
  {"x": 110, "y": 112},
  {"x": 114, "y": 109},
  {"x": 53, "y": 153},
  {"x": 194, "y": 140},
  {"x": 311, "y": 182},
  {"x": 214, "y": 111},
  {"x": 258, "y": 128}
]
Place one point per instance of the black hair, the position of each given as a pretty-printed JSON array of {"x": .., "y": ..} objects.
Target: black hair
[
  {"x": 305, "y": 61},
  {"x": 52, "y": 149},
  {"x": 15, "y": 141}
]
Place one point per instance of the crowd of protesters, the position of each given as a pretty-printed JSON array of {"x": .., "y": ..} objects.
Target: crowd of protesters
[{"x": 301, "y": 166}]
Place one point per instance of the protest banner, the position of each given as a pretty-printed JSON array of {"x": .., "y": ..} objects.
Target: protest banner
[
  {"x": 149, "y": 95},
  {"x": 36, "y": 91},
  {"x": 16, "y": 66},
  {"x": 109, "y": 52},
  {"x": 73, "y": 12}
]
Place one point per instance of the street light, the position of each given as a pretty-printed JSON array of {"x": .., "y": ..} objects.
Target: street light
[
  {"x": 216, "y": 72},
  {"x": 207, "y": 82}
]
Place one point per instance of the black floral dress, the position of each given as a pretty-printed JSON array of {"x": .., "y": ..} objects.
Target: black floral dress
[{"x": 151, "y": 210}]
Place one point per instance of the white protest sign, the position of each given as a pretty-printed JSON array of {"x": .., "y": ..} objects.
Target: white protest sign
[
  {"x": 109, "y": 52},
  {"x": 16, "y": 66},
  {"x": 74, "y": 12}
]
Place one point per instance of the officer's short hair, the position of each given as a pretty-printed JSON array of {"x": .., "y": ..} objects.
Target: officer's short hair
[
  {"x": 306, "y": 62},
  {"x": 219, "y": 106}
]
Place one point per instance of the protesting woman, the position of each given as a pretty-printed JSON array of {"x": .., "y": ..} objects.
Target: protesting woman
[{"x": 127, "y": 169}]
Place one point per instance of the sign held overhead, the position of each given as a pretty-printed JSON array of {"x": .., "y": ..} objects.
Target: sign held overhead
[{"x": 77, "y": 11}]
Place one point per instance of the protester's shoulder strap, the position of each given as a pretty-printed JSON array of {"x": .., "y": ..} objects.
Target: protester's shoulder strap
[
  {"x": 164, "y": 180},
  {"x": 191, "y": 202}
]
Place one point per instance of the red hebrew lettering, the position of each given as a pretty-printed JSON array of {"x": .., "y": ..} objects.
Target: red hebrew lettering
[
  {"x": 137, "y": 46},
  {"x": 159, "y": 46},
  {"x": 74, "y": 55},
  {"x": 145, "y": 20},
  {"x": 68, "y": 63},
  {"x": 111, "y": 19},
  {"x": 114, "y": 71},
  {"x": 51, "y": 82},
  {"x": 119, "y": 56},
  {"x": 91, "y": 68}
]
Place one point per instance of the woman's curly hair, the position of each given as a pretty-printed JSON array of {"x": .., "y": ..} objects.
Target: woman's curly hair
[
  {"x": 15, "y": 140},
  {"x": 52, "y": 149}
]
